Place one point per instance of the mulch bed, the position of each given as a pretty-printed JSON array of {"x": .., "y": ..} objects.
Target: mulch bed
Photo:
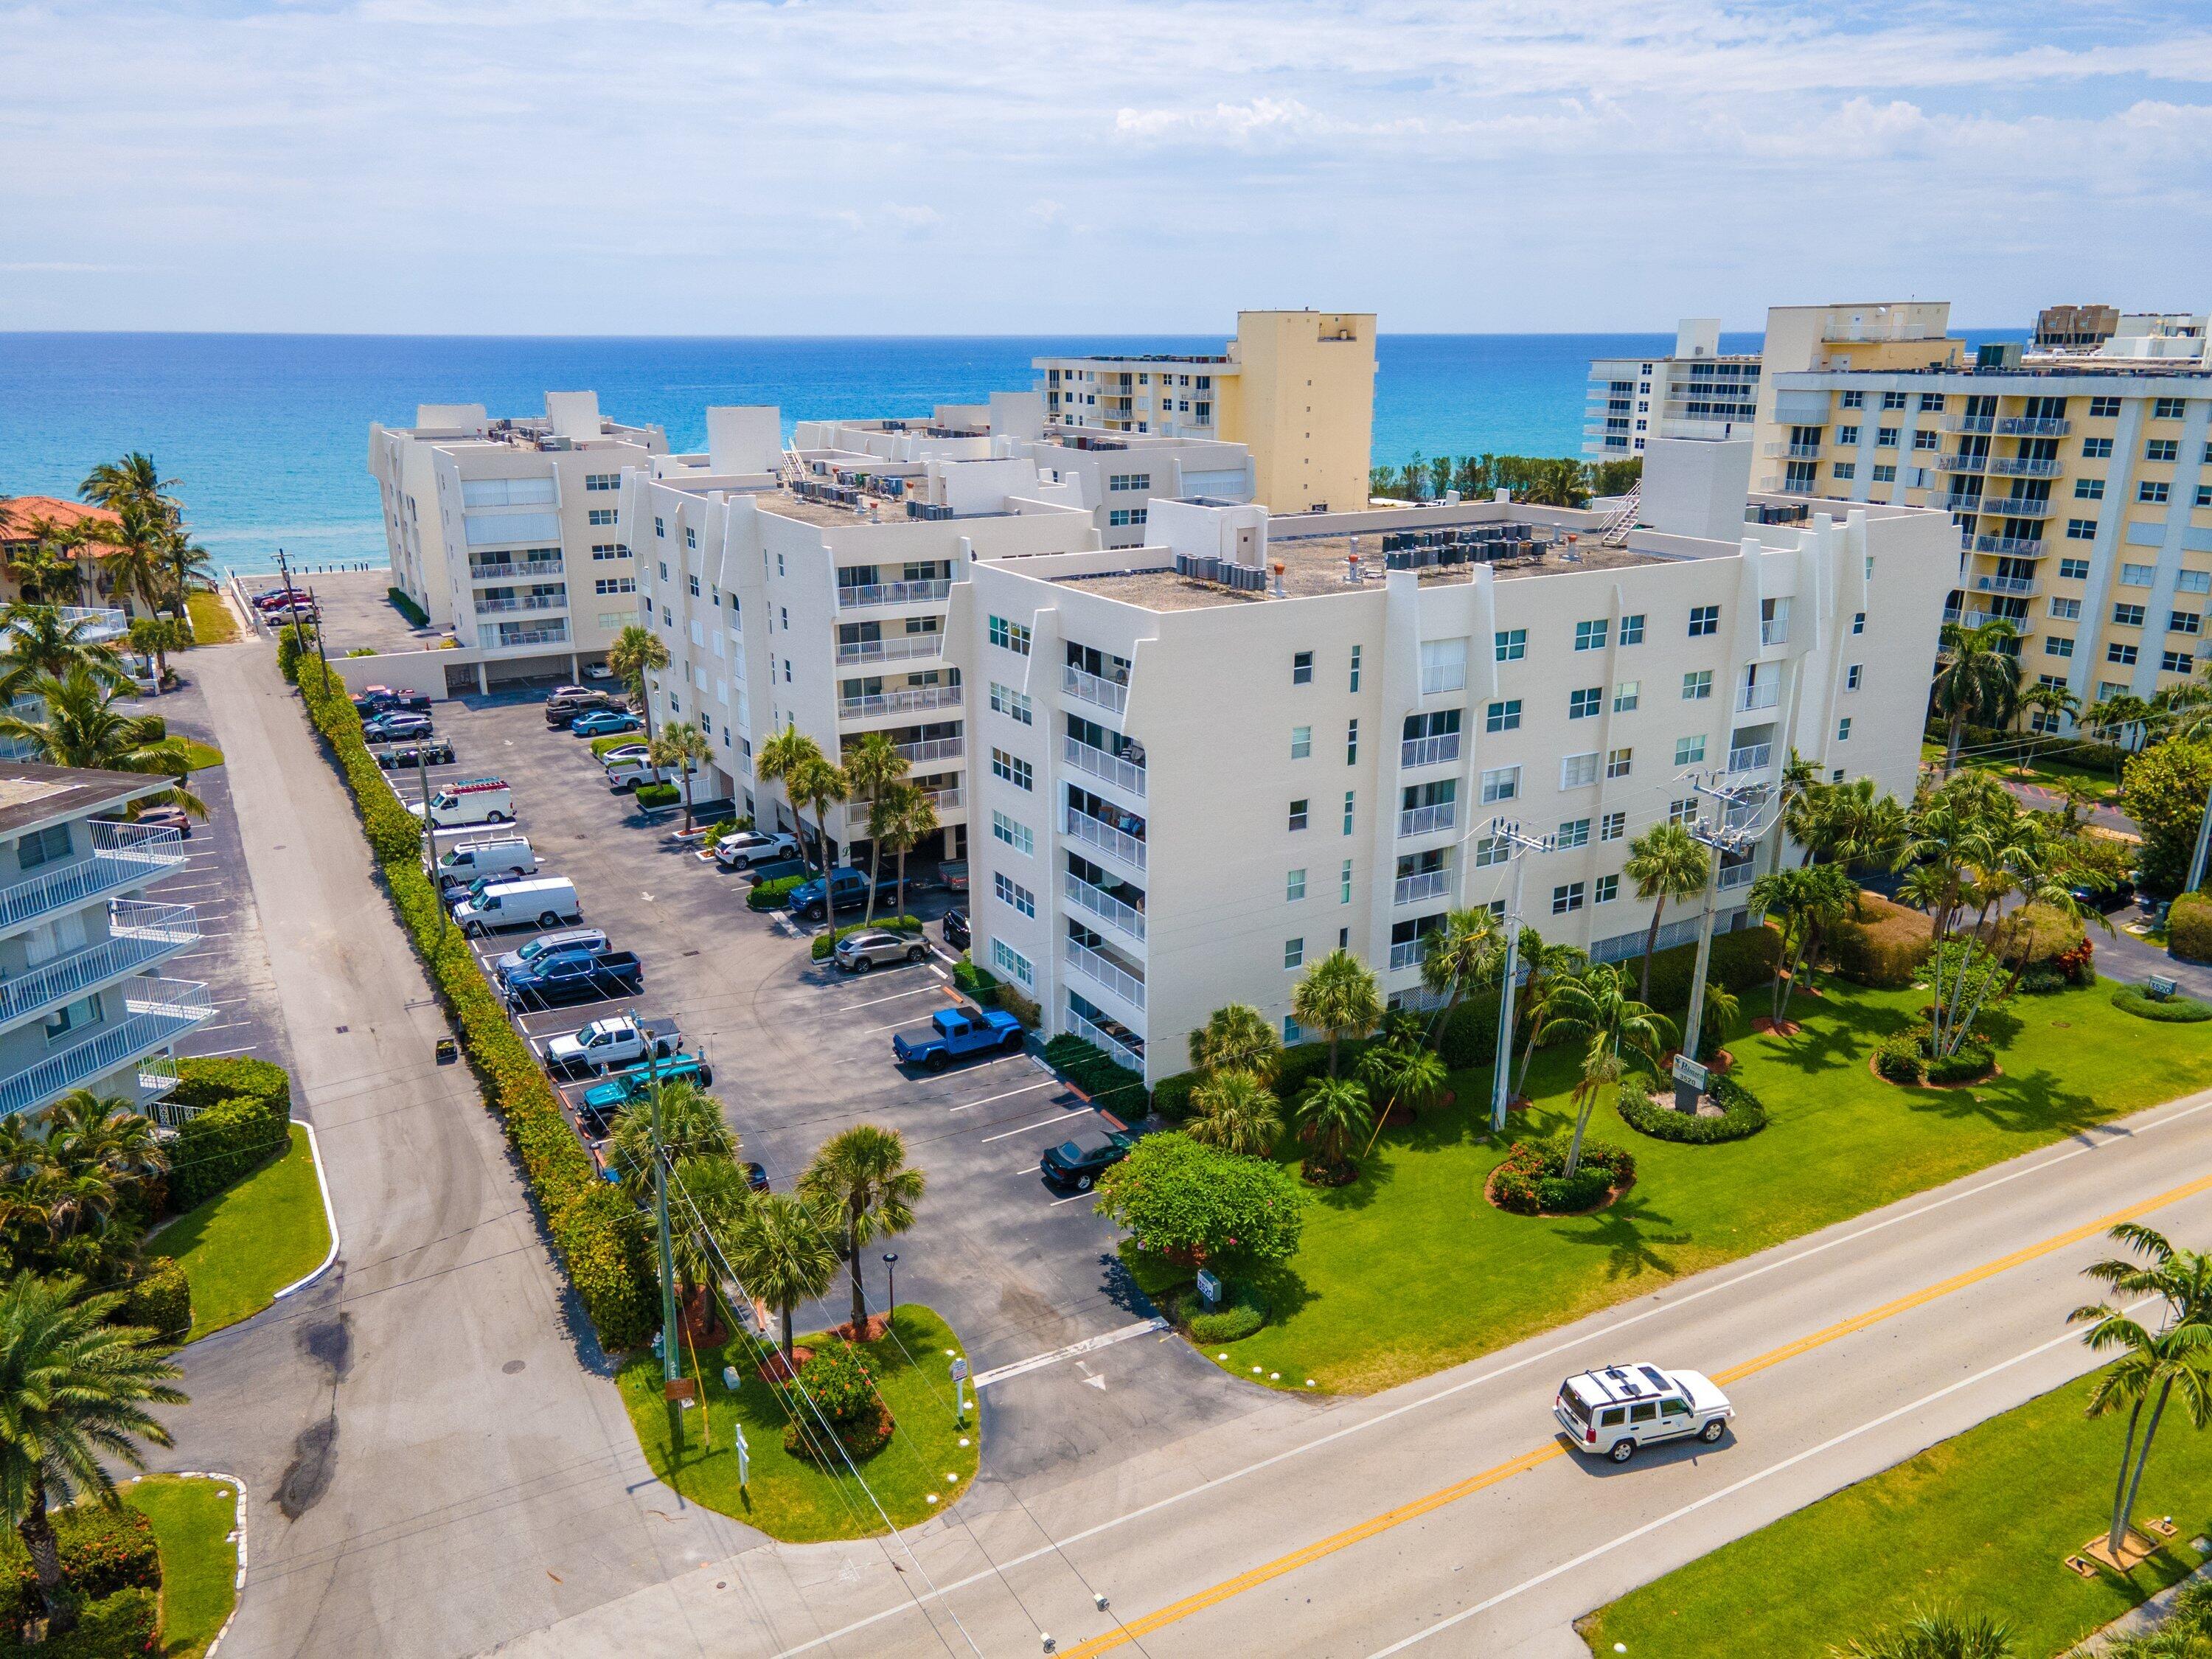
[
  {"x": 1612, "y": 1194},
  {"x": 1766, "y": 1027},
  {"x": 772, "y": 1369},
  {"x": 1994, "y": 1073},
  {"x": 877, "y": 1325},
  {"x": 1342, "y": 1175}
]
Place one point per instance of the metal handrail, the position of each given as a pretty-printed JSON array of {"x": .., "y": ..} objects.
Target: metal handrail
[
  {"x": 1430, "y": 883},
  {"x": 921, "y": 593},
  {"x": 2035, "y": 426},
  {"x": 2025, "y": 466},
  {"x": 1103, "y": 904},
  {"x": 1104, "y": 836},
  {"x": 2020, "y": 547},
  {"x": 911, "y": 701},
  {"x": 1107, "y": 694},
  {"x": 1428, "y": 752},
  {"x": 901, "y": 648},
  {"x": 1105, "y": 971},
  {"x": 495, "y": 573},
  {"x": 122, "y": 854},
  {"x": 1425, "y": 820},
  {"x": 139, "y": 933},
  {"x": 1116, "y": 1050},
  {"x": 1112, "y": 768}
]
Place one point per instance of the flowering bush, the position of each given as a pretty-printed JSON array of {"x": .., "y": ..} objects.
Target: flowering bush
[
  {"x": 1192, "y": 1204},
  {"x": 1532, "y": 1179}
]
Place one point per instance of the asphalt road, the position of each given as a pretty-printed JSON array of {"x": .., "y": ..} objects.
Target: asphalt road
[{"x": 1446, "y": 1515}]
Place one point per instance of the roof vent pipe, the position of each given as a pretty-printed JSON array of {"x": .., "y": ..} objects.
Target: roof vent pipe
[{"x": 1279, "y": 579}]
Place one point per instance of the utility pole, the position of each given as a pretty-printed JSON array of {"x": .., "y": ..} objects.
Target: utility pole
[
  {"x": 1721, "y": 837},
  {"x": 319, "y": 657},
  {"x": 671, "y": 1364},
  {"x": 291, "y": 602},
  {"x": 2204, "y": 844},
  {"x": 1501, "y": 1080},
  {"x": 429, "y": 832}
]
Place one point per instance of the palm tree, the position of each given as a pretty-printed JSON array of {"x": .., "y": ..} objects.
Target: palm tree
[
  {"x": 904, "y": 818},
  {"x": 1934, "y": 1635},
  {"x": 1460, "y": 954},
  {"x": 638, "y": 651},
  {"x": 860, "y": 1177},
  {"x": 817, "y": 784},
  {"x": 73, "y": 1393},
  {"x": 2054, "y": 703},
  {"x": 1808, "y": 900},
  {"x": 80, "y": 728},
  {"x": 1618, "y": 1033},
  {"x": 1235, "y": 1112},
  {"x": 86, "y": 1131},
  {"x": 1666, "y": 861},
  {"x": 186, "y": 565},
  {"x": 692, "y": 1126},
  {"x": 42, "y": 572},
  {"x": 2123, "y": 719},
  {"x": 713, "y": 1192},
  {"x": 1547, "y": 966},
  {"x": 135, "y": 542},
  {"x": 2151, "y": 1363},
  {"x": 787, "y": 752},
  {"x": 1852, "y": 824},
  {"x": 157, "y": 637},
  {"x": 874, "y": 765},
  {"x": 1332, "y": 1117},
  {"x": 1411, "y": 1075},
  {"x": 134, "y": 479},
  {"x": 1975, "y": 677},
  {"x": 680, "y": 744},
  {"x": 1238, "y": 1038},
  {"x": 1718, "y": 1018},
  {"x": 1338, "y": 996},
  {"x": 34, "y": 640},
  {"x": 780, "y": 1247}
]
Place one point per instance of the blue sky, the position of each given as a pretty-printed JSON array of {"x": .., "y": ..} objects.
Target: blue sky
[{"x": 722, "y": 166}]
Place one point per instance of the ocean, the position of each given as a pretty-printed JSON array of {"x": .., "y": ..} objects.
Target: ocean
[{"x": 267, "y": 434}]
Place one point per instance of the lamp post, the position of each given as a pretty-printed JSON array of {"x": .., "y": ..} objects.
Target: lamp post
[{"x": 890, "y": 1272}]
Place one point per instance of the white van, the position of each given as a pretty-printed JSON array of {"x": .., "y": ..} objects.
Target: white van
[
  {"x": 542, "y": 901},
  {"x": 511, "y": 855},
  {"x": 473, "y": 800}
]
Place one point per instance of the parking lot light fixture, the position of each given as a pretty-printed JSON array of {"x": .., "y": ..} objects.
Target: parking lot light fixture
[{"x": 890, "y": 1294}]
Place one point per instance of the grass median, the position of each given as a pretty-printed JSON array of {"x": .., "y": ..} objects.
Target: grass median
[
  {"x": 248, "y": 1243},
  {"x": 212, "y": 621},
  {"x": 192, "y": 1520}
]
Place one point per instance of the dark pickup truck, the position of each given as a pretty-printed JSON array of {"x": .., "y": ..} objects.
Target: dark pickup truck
[
  {"x": 566, "y": 978},
  {"x": 846, "y": 889}
]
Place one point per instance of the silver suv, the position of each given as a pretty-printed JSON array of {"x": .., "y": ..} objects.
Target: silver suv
[
  {"x": 872, "y": 947},
  {"x": 1610, "y": 1412}
]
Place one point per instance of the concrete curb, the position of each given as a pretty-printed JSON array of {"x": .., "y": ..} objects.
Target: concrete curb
[
  {"x": 238, "y": 1582},
  {"x": 330, "y": 1216}
]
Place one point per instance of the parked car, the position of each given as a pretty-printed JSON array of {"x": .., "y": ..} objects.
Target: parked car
[
  {"x": 620, "y": 1040},
  {"x": 624, "y": 775},
  {"x": 471, "y": 801},
  {"x": 167, "y": 817},
  {"x": 741, "y": 849},
  {"x": 605, "y": 722},
  {"x": 392, "y": 728},
  {"x": 381, "y": 699},
  {"x": 956, "y": 1032},
  {"x": 955, "y": 930},
  {"x": 623, "y": 751},
  {"x": 423, "y": 751},
  {"x": 954, "y": 874},
  {"x": 544, "y": 901},
  {"x": 872, "y": 947},
  {"x": 501, "y": 858},
  {"x": 603, "y": 1102},
  {"x": 1079, "y": 1161},
  {"x": 545, "y": 944},
  {"x": 566, "y": 978},
  {"x": 2104, "y": 900},
  {"x": 756, "y": 1177},
  {"x": 1611, "y": 1411},
  {"x": 599, "y": 670},
  {"x": 569, "y": 701},
  {"x": 845, "y": 889}
]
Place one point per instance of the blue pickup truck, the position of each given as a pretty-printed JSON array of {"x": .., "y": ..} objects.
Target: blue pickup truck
[
  {"x": 954, "y": 1032},
  {"x": 847, "y": 889},
  {"x": 563, "y": 979}
]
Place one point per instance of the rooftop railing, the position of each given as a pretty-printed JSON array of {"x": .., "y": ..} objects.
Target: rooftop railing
[{"x": 123, "y": 856}]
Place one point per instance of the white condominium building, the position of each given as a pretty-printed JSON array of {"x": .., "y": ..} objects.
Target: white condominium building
[
  {"x": 1697, "y": 392},
  {"x": 509, "y": 533}
]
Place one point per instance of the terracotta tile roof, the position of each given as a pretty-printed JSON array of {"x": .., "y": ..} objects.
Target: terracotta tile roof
[{"x": 17, "y": 513}]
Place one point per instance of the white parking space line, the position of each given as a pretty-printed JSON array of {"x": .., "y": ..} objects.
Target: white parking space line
[
  {"x": 1089, "y": 1345},
  {"x": 217, "y": 1054},
  {"x": 918, "y": 991},
  {"x": 1026, "y": 1088},
  {"x": 895, "y": 1026},
  {"x": 1042, "y": 1123},
  {"x": 1073, "y": 1198}
]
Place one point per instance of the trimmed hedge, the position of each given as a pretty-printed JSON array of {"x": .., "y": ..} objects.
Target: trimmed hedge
[
  {"x": 201, "y": 1083},
  {"x": 1529, "y": 1179},
  {"x": 125, "y": 1625},
  {"x": 161, "y": 1300},
  {"x": 1974, "y": 1061},
  {"x": 1904, "y": 1058},
  {"x": 772, "y": 895},
  {"x": 979, "y": 985},
  {"x": 407, "y": 607},
  {"x": 1881, "y": 944},
  {"x": 1241, "y": 1311},
  {"x": 1023, "y": 1008},
  {"x": 1742, "y": 1115},
  {"x": 1084, "y": 1064},
  {"x": 223, "y": 1144},
  {"x": 1172, "y": 1095},
  {"x": 103, "y": 1551},
  {"x": 2189, "y": 927},
  {"x": 600, "y": 1236},
  {"x": 2170, "y": 1011},
  {"x": 825, "y": 943}
]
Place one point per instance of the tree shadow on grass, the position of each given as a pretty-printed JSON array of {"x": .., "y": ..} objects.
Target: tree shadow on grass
[
  {"x": 1376, "y": 1175},
  {"x": 1285, "y": 1293},
  {"x": 1629, "y": 1233},
  {"x": 2024, "y": 1102}
]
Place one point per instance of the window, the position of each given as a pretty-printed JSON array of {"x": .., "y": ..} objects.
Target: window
[
  {"x": 1578, "y": 771},
  {"x": 85, "y": 1010},
  {"x": 1344, "y": 883},
  {"x": 1698, "y": 685},
  {"x": 1684, "y": 810},
  {"x": 1585, "y": 703},
  {"x": 2066, "y": 610},
  {"x": 2088, "y": 489},
  {"x": 2177, "y": 662},
  {"x": 614, "y": 585},
  {"x": 2074, "y": 570},
  {"x": 1607, "y": 889},
  {"x": 1892, "y": 400},
  {"x": 1502, "y": 716},
  {"x": 2128, "y": 616},
  {"x": 2136, "y": 575},
  {"x": 1444, "y": 666},
  {"x": 2161, "y": 449},
  {"x": 1294, "y": 952},
  {"x": 695, "y": 587},
  {"x": 2104, "y": 409},
  {"x": 1689, "y": 751},
  {"x": 2055, "y": 645},
  {"x": 1590, "y": 635},
  {"x": 664, "y": 570},
  {"x": 690, "y": 538},
  {"x": 2166, "y": 409},
  {"x": 1704, "y": 620},
  {"x": 1293, "y": 1033},
  {"x": 1618, "y": 762},
  {"x": 1931, "y": 400},
  {"x": 1512, "y": 644},
  {"x": 1012, "y": 962},
  {"x": 1016, "y": 836},
  {"x": 2192, "y": 581},
  {"x": 1349, "y": 798},
  {"x": 1301, "y": 742},
  {"x": 1847, "y": 470},
  {"x": 1501, "y": 783},
  {"x": 602, "y": 481},
  {"x": 1299, "y": 813},
  {"x": 599, "y": 515},
  {"x": 1626, "y": 695},
  {"x": 43, "y": 847},
  {"x": 1013, "y": 704},
  {"x": 1885, "y": 437},
  {"x": 1632, "y": 628},
  {"x": 1847, "y": 435},
  {"x": 1294, "y": 886},
  {"x": 1126, "y": 515},
  {"x": 1567, "y": 898},
  {"x": 1012, "y": 768},
  {"x": 1851, "y": 400},
  {"x": 1925, "y": 440},
  {"x": 1492, "y": 849},
  {"x": 1351, "y": 743},
  {"x": 1884, "y": 472},
  {"x": 1013, "y": 893},
  {"x": 2123, "y": 655},
  {"x": 1613, "y": 826},
  {"x": 603, "y": 552},
  {"x": 1130, "y": 481},
  {"x": 2080, "y": 529},
  {"x": 2204, "y": 494},
  {"x": 1572, "y": 833},
  {"x": 659, "y": 525},
  {"x": 2184, "y": 622},
  {"x": 1302, "y": 668},
  {"x": 1858, "y": 622},
  {"x": 2096, "y": 449},
  {"x": 1843, "y": 729},
  {"x": 2107, "y": 690},
  {"x": 1011, "y": 635},
  {"x": 1355, "y": 668},
  {"x": 2152, "y": 490}
]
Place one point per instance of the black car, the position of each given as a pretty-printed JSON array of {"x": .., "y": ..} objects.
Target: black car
[
  {"x": 1079, "y": 1162},
  {"x": 2104, "y": 902},
  {"x": 430, "y": 752},
  {"x": 956, "y": 929},
  {"x": 756, "y": 1177}
]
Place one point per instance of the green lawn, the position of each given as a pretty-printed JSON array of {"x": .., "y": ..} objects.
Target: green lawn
[
  {"x": 1980, "y": 1523},
  {"x": 1408, "y": 1269},
  {"x": 202, "y": 755},
  {"x": 788, "y": 1498},
  {"x": 212, "y": 622},
  {"x": 2044, "y": 771},
  {"x": 246, "y": 1243},
  {"x": 192, "y": 1521}
]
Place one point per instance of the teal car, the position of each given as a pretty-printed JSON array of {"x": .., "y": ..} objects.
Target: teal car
[{"x": 606, "y": 723}]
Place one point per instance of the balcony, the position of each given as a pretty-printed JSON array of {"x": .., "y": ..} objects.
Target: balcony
[
  {"x": 101, "y": 626},
  {"x": 2006, "y": 584},
  {"x": 157, "y": 1012},
  {"x": 1102, "y": 970},
  {"x": 519, "y": 568},
  {"x": 1757, "y": 695},
  {"x": 904, "y": 647},
  {"x": 1092, "y": 832},
  {"x": 527, "y": 602},
  {"x": 2034, "y": 426},
  {"x": 506, "y": 636},
  {"x": 1970, "y": 424},
  {"x": 1957, "y": 503},
  {"x": 1099, "y": 764},
  {"x": 1427, "y": 820},
  {"x": 1797, "y": 486},
  {"x": 1428, "y": 752},
  {"x": 879, "y": 594},
  {"x": 140, "y": 935},
  {"x": 935, "y": 748},
  {"x": 1794, "y": 452},
  {"x": 1117, "y": 1051},
  {"x": 1856, "y": 333},
  {"x": 123, "y": 855},
  {"x": 1752, "y": 757},
  {"x": 2019, "y": 547},
  {"x": 1737, "y": 875},
  {"x": 1774, "y": 631},
  {"x": 1962, "y": 463},
  {"x": 2024, "y": 466},
  {"x": 946, "y": 800},
  {"x": 1107, "y": 694},
  {"x": 1430, "y": 883},
  {"x": 1099, "y": 903},
  {"x": 915, "y": 700},
  {"x": 2015, "y": 506}
]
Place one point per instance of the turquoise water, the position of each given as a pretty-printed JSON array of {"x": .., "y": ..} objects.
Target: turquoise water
[{"x": 267, "y": 436}]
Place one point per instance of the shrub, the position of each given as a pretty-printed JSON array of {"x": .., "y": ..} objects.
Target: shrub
[
  {"x": 2166, "y": 787},
  {"x": 407, "y": 607},
  {"x": 614, "y": 740},
  {"x": 202, "y": 1082},
  {"x": 125, "y": 1625},
  {"x": 772, "y": 895},
  {"x": 1901, "y": 1057},
  {"x": 292, "y": 644},
  {"x": 651, "y": 795},
  {"x": 2189, "y": 927},
  {"x": 978, "y": 985},
  {"x": 1742, "y": 1115},
  {"x": 2043, "y": 980},
  {"x": 825, "y": 943},
  {"x": 1531, "y": 1178},
  {"x": 1108, "y": 1083},
  {"x": 1973, "y": 1062},
  {"x": 2170, "y": 1011},
  {"x": 1583, "y": 1190},
  {"x": 1302, "y": 1063},
  {"x": 220, "y": 1145},
  {"x": 1172, "y": 1095},
  {"x": 1023, "y": 1008},
  {"x": 2079, "y": 964},
  {"x": 840, "y": 1381},
  {"x": 1241, "y": 1311},
  {"x": 1881, "y": 944},
  {"x": 1192, "y": 1203},
  {"x": 1470, "y": 1035},
  {"x": 362, "y": 650},
  {"x": 2036, "y": 934},
  {"x": 103, "y": 1551},
  {"x": 161, "y": 1299}
]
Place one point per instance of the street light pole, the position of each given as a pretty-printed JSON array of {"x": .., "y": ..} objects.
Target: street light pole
[
  {"x": 1501, "y": 1078},
  {"x": 890, "y": 1274},
  {"x": 671, "y": 1369}
]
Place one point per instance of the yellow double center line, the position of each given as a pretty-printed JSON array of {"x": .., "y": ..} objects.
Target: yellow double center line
[{"x": 1412, "y": 1510}]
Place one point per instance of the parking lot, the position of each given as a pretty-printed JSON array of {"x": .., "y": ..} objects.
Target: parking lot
[{"x": 800, "y": 1051}]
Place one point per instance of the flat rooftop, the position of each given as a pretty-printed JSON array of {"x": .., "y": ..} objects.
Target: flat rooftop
[{"x": 30, "y": 794}]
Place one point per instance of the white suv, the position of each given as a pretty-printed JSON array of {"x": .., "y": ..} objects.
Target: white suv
[{"x": 1611, "y": 1410}]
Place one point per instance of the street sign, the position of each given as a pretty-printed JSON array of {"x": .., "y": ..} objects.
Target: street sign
[
  {"x": 1209, "y": 1286},
  {"x": 959, "y": 1371},
  {"x": 1689, "y": 1073}
]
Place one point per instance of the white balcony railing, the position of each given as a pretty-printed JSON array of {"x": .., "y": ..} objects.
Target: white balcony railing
[
  {"x": 1103, "y": 971},
  {"x": 1408, "y": 953},
  {"x": 140, "y": 934},
  {"x": 2035, "y": 426},
  {"x": 1752, "y": 757},
  {"x": 1794, "y": 452},
  {"x": 2005, "y": 584},
  {"x": 526, "y": 602},
  {"x": 506, "y": 636},
  {"x": 101, "y": 624},
  {"x": 1086, "y": 758},
  {"x": 1758, "y": 694},
  {"x": 1970, "y": 424},
  {"x": 2025, "y": 466},
  {"x": 1962, "y": 463},
  {"x": 925, "y": 593},
  {"x": 157, "y": 1011},
  {"x": 946, "y": 800},
  {"x": 1107, "y": 694},
  {"x": 903, "y": 647},
  {"x": 1103, "y": 904},
  {"x": 2018, "y": 547},
  {"x": 124, "y": 854},
  {"x": 1738, "y": 875},
  {"x": 1774, "y": 632},
  {"x": 2015, "y": 506},
  {"x": 1104, "y": 836},
  {"x": 1117, "y": 1051},
  {"x": 1425, "y": 820},
  {"x": 1430, "y": 883},
  {"x": 933, "y": 748},
  {"x": 509, "y": 572},
  {"x": 1428, "y": 752},
  {"x": 1797, "y": 486},
  {"x": 912, "y": 702}
]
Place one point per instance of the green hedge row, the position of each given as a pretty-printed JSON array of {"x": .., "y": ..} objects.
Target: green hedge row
[
  {"x": 1241, "y": 1311},
  {"x": 407, "y": 607},
  {"x": 2167, "y": 1011},
  {"x": 1085, "y": 1064},
  {"x": 825, "y": 943},
  {"x": 103, "y": 1551},
  {"x": 979, "y": 985},
  {"x": 1742, "y": 1115},
  {"x": 650, "y": 795},
  {"x": 201, "y": 1083},
  {"x": 161, "y": 1299},
  {"x": 600, "y": 1236},
  {"x": 221, "y": 1145},
  {"x": 771, "y": 895}
]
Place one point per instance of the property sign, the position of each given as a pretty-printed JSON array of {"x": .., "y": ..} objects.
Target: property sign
[
  {"x": 1209, "y": 1286},
  {"x": 2161, "y": 986},
  {"x": 1689, "y": 1073},
  {"x": 960, "y": 1371}
]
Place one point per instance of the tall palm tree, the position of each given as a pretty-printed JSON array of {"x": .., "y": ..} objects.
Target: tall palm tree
[
  {"x": 1233, "y": 1110},
  {"x": 788, "y": 751},
  {"x": 133, "y": 550},
  {"x": 781, "y": 1246},
  {"x": 34, "y": 640},
  {"x": 1333, "y": 1117},
  {"x": 133, "y": 478},
  {"x": 638, "y": 651},
  {"x": 904, "y": 818},
  {"x": 1618, "y": 1035},
  {"x": 683, "y": 745},
  {"x": 692, "y": 1126},
  {"x": 1809, "y": 901},
  {"x": 1547, "y": 967},
  {"x": 2152, "y": 1365},
  {"x": 1411, "y": 1075},
  {"x": 872, "y": 766},
  {"x": 80, "y": 728},
  {"x": 860, "y": 1177},
  {"x": 2054, "y": 703},
  {"x": 42, "y": 571},
  {"x": 1798, "y": 796},
  {"x": 87, "y": 1131},
  {"x": 816, "y": 783},
  {"x": 710, "y": 1193},
  {"x": 1666, "y": 861},
  {"x": 1462, "y": 953},
  {"x": 1976, "y": 678},
  {"x": 1936, "y": 1634},
  {"x": 1339, "y": 997},
  {"x": 73, "y": 1393},
  {"x": 185, "y": 565},
  {"x": 1238, "y": 1038},
  {"x": 1852, "y": 824},
  {"x": 2124, "y": 720}
]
